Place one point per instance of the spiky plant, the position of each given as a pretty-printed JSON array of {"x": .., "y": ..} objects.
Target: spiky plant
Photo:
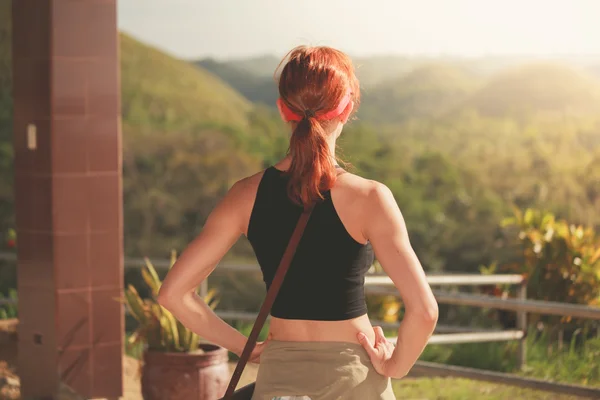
[
  {"x": 158, "y": 329},
  {"x": 9, "y": 311}
]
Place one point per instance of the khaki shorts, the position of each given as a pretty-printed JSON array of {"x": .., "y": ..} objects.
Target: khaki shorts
[{"x": 318, "y": 371}]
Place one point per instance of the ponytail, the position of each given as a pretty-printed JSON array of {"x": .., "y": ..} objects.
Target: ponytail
[
  {"x": 316, "y": 85},
  {"x": 312, "y": 170}
]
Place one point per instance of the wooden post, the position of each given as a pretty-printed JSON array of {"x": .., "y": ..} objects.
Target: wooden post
[{"x": 522, "y": 325}]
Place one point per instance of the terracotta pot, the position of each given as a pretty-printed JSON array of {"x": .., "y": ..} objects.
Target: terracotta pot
[{"x": 185, "y": 376}]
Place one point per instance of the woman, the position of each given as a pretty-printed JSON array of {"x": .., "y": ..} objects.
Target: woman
[{"x": 321, "y": 343}]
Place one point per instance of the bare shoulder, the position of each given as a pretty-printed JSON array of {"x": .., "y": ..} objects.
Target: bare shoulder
[
  {"x": 239, "y": 200},
  {"x": 366, "y": 191},
  {"x": 246, "y": 187},
  {"x": 362, "y": 203}
]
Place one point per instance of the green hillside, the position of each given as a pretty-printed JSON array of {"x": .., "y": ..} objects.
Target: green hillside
[
  {"x": 166, "y": 93},
  {"x": 538, "y": 88},
  {"x": 258, "y": 88},
  {"x": 262, "y": 66},
  {"x": 425, "y": 92}
]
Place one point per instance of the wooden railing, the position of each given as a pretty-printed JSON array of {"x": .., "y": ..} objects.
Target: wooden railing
[{"x": 381, "y": 284}]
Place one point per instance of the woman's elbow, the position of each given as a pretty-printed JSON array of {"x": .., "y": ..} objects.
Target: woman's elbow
[
  {"x": 432, "y": 313},
  {"x": 426, "y": 314},
  {"x": 165, "y": 298}
]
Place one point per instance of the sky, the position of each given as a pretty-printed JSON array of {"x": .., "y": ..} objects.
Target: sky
[{"x": 225, "y": 29}]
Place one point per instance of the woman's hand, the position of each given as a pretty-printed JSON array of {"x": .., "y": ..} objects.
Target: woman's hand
[
  {"x": 258, "y": 349},
  {"x": 379, "y": 352}
]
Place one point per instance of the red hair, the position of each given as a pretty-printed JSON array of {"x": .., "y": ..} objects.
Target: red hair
[{"x": 314, "y": 84}]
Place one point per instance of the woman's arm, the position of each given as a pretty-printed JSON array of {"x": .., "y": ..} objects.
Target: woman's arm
[
  {"x": 386, "y": 231},
  {"x": 177, "y": 294}
]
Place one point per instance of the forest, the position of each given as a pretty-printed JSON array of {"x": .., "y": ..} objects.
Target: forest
[{"x": 462, "y": 144}]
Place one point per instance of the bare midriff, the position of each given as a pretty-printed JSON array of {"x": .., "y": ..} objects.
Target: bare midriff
[{"x": 320, "y": 331}]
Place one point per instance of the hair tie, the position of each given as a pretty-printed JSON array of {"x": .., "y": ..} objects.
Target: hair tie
[
  {"x": 289, "y": 115},
  {"x": 309, "y": 114}
]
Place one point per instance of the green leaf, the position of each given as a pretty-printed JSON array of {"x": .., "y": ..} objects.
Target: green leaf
[
  {"x": 194, "y": 341},
  {"x": 152, "y": 271},
  {"x": 596, "y": 256},
  {"x": 151, "y": 281},
  {"x": 211, "y": 298},
  {"x": 528, "y": 217},
  {"x": 508, "y": 221},
  {"x": 548, "y": 221},
  {"x": 173, "y": 258},
  {"x": 135, "y": 303}
]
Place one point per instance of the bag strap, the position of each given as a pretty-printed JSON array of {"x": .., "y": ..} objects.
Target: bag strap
[{"x": 286, "y": 260}]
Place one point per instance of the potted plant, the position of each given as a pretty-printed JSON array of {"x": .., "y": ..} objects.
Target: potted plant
[
  {"x": 176, "y": 363},
  {"x": 8, "y": 327}
]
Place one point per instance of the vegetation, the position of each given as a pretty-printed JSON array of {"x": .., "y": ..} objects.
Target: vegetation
[
  {"x": 158, "y": 329},
  {"x": 560, "y": 261},
  {"x": 9, "y": 311},
  {"x": 570, "y": 362},
  {"x": 442, "y": 136},
  {"x": 539, "y": 88},
  {"x": 428, "y": 91},
  {"x": 460, "y": 389},
  {"x": 460, "y": 144},
  {"x": 257, "y": 88},
  {"x": 161, "y": 93},
  {"x": 575, "y": 361}
]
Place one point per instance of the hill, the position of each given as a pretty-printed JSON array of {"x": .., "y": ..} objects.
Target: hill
[
  {"x": 251, "y": 75},
  {"x": 167, "y": 93},
  {"x": 258, "y": 88},
  {"x": 262, "y": 66},
  {"x": 374, "y": 71},
  {"x": 377, "y": 69},
  {"x": 538, "y": 88},
  {"x": 425, "y": 92}
]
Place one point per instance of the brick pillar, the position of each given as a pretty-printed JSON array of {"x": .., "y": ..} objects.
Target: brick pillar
[{"x": 68, "y": 190}]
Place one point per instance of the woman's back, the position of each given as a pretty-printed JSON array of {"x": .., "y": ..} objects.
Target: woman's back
[
  {"x": 325, "y": 279},
  {"x": 322, "y": 296}
]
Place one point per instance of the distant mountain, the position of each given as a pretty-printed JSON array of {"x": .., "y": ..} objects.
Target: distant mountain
[
  {"x": 243, "y": 77},
  {"x": 374, "y": 70},
  {"x": 370, "y": 70},
  {"x": 538, "y": 88},
  {"x": 166, "y": 93},
  {"x": 254, "y": 77},
  {"x": 426, "y": 92},
  {"x": 263, "y": 66}
]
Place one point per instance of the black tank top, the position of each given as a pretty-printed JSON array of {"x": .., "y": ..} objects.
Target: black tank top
[{"x": 325, "y": 280}]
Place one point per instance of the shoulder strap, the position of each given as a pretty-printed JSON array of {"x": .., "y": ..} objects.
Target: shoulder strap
[{"x": 286, "y": 260}]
